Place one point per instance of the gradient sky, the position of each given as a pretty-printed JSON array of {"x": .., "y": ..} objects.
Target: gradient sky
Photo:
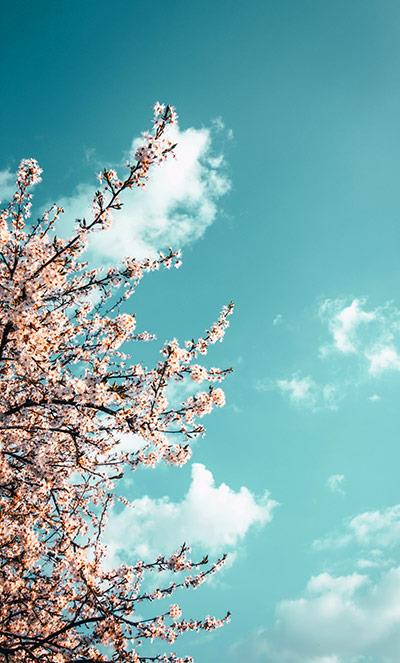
[{"x": 302, "y": 99}]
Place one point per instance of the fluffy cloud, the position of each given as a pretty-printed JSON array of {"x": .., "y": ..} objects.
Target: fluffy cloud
[
  {"x": 344, "y": 619},
  {"x": 335, "y": 483},
  {"x": 376, "y": 529},
  {"x": 212, "y": 518},
  {"x": 367, "y": 339},
  {"x": 376, "y": 560},
  {"x": 305, "y": 392},
  {"x": 350, "y": 618},
  {"x": 344, "y": 323},
  {"x": 369, "y": 334},
  {"x": 383, "y": 359},
  {"x": 175, "y": 208}
]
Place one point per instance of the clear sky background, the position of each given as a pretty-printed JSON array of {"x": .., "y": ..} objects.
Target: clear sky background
[{"x": 296, "y": 106}]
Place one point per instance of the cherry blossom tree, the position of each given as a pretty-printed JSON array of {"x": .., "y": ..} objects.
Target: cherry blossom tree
[{"x": 69, "y": 395}]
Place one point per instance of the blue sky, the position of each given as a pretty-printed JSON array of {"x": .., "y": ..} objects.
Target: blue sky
[{"x": 294, "y": 107}]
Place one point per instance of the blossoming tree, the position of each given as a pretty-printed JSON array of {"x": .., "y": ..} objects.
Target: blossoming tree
[{"x": 69, "y": 395}]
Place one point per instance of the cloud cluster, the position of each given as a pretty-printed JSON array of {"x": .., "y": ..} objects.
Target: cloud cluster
[
  {"x": 338, "y": 619},
  {"x": 335, "y": 483},
  {"x": 371, "y": 335},
  {"x": 370, "y": 338},
  {"x": 306, "y": 392},
  {"x": 209, "y": 517},
  {"x": 345, "y": 321},
  {"x": 175, "y": 208},
  {"x": 376, "y": 529}
]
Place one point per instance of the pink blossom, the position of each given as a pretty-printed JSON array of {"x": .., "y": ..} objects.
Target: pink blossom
[{"x": 70, "y": 394}]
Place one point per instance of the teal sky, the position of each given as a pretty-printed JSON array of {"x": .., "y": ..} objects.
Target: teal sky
[{"x": 308, "y": 94}]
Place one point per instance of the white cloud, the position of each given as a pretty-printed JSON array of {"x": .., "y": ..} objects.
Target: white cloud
[
  {"x": 383, "y": 359},
  {"x": 367, "y": 339},
  {"x": 130, "y": 442},
  {"x": 375, "y": 560},
  {"x": 335, "y": 483},
  {"x": 213, "y": 518},
  {"x": 349, "y": 618},
  {"x": 278, "y": 319},
  {"x": 306, "y": 392},
  {"x": 342, "y": 585},
  {"x": 7, "y": 184},
  {"x": 344, "y": 323},
  {"x": 377, "y": 528},
  {"x": 176, "y": 206},
  {"x": 345, "y": 619},
  {"x": 299, "y": 389},
  {"x": 371, "y": 529},
  {"x": 370, "y": 335}
]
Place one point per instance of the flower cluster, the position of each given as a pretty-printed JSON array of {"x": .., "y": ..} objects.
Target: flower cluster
[
  {"x": 29, "y": 173},
  {"x": 154, "y": 149},
  {"x": 70, "y": 392}
]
